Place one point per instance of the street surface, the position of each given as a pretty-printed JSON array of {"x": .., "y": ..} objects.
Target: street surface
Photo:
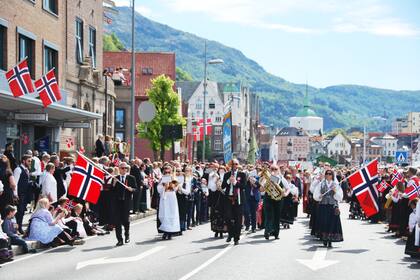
[{"x": 368, "y": 252}]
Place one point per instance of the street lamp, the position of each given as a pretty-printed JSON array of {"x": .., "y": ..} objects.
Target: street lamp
[{"x": 210, "y": 62}]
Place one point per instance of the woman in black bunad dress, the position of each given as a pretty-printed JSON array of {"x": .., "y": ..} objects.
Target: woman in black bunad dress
[{"x": 328, "y": 193}]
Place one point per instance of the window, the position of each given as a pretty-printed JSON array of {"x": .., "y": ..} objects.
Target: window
[
  {"x": 50, "y": 60},
  {"x": 212, "y": 105},
  {"x": 217, "y": 144},
  {"x": 3, "y": 47},
  {"x": 27, "y": 49},
  {"x": 119, "y": 118},
  {"x": 198, "y": 106},
  {"x": 217, "y": 130},
  {"x": 147, "y": 71},
  {"x": 120, "y": 135},
  {"x": 79, "y": 41},
  {"x": 51, "y": 6},
  {"x": 92, "y": 45},
  {"x": 218, "y": 119}
]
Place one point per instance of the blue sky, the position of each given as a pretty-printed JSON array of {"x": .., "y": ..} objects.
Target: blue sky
[{"x": 327, "y": 42}]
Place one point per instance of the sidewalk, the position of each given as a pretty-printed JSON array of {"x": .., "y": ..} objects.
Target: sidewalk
[{"x": 37, "y": 245}]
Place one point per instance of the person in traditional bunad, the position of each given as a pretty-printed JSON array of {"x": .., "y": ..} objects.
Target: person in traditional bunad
[
  {"x": 328, "y": 193},
  {"x": 168, "y": 208}
]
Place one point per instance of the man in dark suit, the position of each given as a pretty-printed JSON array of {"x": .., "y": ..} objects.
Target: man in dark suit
[
  {"x": 233, "y": 186},
  {"x": 253, "y": 197},
  {"x": 100, "y": 146},
  {"x": 136, "y": 172},
  {"x": 123, "y": 190}
]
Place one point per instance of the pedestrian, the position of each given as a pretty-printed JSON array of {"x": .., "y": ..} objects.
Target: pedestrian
[
  {"x": 233, "y": 185},
  {"x": 99, "y": 146},
  {"x": 9, "y": 185},
  {"x": 124, "y": 186},
  {"x": 328, "y": 193},
  {"x": 9, "y": 153},
  {"x": 49, "y": 184},
  {"x": 24, "y": 188},
  {"x": 168, "y": 207}
]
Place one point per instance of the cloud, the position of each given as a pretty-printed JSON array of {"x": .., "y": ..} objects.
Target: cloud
[
  {"x": 320, "y": 16},
  {"x": 143, "y": 10}
]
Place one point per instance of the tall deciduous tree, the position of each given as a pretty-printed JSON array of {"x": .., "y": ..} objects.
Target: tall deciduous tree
[{"x": 167, "y": 103}]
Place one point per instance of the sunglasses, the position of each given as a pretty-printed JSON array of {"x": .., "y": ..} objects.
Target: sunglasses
[
  {"x": 123, "y": 167},
  {"x": 274, "y": 169},
  {"x": 328, "y": 174}
]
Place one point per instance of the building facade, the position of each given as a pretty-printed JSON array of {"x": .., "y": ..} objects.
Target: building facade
[
  {"x": 307, "y": 119},
  {"x": 65, "y": 36},
  {"x": 339, "y": 146},
  {"x": 407, "y": 124},
  {"x": 149, "y": 65},
  {"x": 293, "y": 144},
  {"x": 389, "y": 145}
]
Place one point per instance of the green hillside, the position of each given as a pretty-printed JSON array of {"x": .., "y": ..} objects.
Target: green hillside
[{"x": 341, "y": 106}]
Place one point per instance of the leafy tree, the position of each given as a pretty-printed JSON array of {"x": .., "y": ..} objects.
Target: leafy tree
[
  {"x": 167, "y": 103},
  {"x": 112, "y": 43},
  {"x": 182, "y": 75}
]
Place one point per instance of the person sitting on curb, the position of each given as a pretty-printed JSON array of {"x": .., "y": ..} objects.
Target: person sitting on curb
[{"x": 10, "y": 228}]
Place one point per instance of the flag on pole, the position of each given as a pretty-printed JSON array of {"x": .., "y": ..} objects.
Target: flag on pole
[
  {"x": 70, "y": 205},
  {"x": 86, "y": 181},
  {"x": 383, "y": 186},
  {"x": 363, "y": 183},
  {"x": 396, "y": 177},
  {"x": 413, "y": 189},
  {"x": 48, "y": 89},
  {"x": 19, "y": 79}
]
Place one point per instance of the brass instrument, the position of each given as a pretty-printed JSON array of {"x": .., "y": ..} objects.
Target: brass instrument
[{"x": 271, "y": 188}]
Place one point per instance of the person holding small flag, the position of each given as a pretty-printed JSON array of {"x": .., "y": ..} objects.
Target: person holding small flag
[{"x": 328, "y": 193}]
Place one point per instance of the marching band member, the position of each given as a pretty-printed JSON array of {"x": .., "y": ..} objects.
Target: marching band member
[
  {"x": 328, "y": 193},
  {"x": 233, "y": 186}
]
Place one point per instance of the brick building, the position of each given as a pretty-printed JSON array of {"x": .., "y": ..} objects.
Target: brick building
[
  {"x": 67, "y": 36},
  {"x": 149, "y": 65},
  {"x": 293, "y": 144}
]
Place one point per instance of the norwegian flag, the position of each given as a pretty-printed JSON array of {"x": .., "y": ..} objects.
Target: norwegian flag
[
  {"x": 69, "y": 143},
  {"x": 363, "y": 183},
  {"x": 82, "y": 150},
  {"x": 396, "y": 177},
  {"x": 413, "y": 189},
  {"x": 19, "y": 79},
  {"x": 199, "y": 128},
  {"x": 383, "y": 186},
  {"x": 69, "y": 205},
  {"x": 48, "y": 89},
  {"x": 86, "y": 181}
]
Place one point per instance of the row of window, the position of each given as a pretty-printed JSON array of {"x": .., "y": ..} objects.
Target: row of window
[
  {"x": 199, "y": 106},
  {"x": 79, "y": 42}
]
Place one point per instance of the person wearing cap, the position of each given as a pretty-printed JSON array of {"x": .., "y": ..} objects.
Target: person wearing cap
[{"x": 124, "y": 187}]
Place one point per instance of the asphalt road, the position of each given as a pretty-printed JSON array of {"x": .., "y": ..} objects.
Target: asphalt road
[{"x": 368, "y": 252}]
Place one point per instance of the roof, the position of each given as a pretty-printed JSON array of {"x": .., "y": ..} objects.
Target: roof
[
  {"x": 291, "y": 131},
  {"x": 306, "y": 112},
  {"x": 187, "y": 89}
]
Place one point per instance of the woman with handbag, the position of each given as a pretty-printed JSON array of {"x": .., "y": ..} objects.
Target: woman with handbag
[{"x": 328, "y": 193}]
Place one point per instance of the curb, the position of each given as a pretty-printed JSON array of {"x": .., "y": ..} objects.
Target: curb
[{"x": 17, "y": 250}]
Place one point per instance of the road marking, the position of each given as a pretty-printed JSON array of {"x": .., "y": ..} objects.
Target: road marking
[
  {"x": 210, "y": 261},
  {"x": 105, "y": 260},
  {"x": 318, "y": 260},
  {"x": 142, "y": 221}
]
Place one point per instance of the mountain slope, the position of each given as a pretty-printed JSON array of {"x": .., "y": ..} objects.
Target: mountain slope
[{"x": 341, "y": 106}]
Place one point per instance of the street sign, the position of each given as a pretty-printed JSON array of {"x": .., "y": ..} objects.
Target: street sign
[
  {"x": 401, "y": 156},
  {"x": 76, "y": 125},
  {"x": 146, "y": 111},
  {"x": 31, "y": 117}
]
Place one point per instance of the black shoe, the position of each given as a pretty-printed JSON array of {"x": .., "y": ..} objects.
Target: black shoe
[
  {"x": 276, "y": 236},
  {"x": 246, "y": 228},
  {"x": 253, "y": 230},
  {"x": 169, "y": 237},
  {"x": 229, "y": 239},
  {"x": 127, "y": 240},
  {"x": 221, "y": 235},
  {"x": 20, "y": 230},
  {"x": 120, "y": 243},
  {"x": 236, "y": 242},
  {"x": 325, "y": 243},
  {"x": 32, "y": 251},
  {"x": 216, "y": 234},
  {"x": 164, "y": 236},
  {"x": 329, "y": 244}
]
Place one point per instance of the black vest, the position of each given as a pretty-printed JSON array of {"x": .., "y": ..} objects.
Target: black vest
[{"x": 23, "y": 185}]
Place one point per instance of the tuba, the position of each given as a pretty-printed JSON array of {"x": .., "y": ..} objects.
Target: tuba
[{"x": 271, "y": 188}]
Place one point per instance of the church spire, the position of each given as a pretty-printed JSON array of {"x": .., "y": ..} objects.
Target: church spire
[{"x": 306, "y": 100}]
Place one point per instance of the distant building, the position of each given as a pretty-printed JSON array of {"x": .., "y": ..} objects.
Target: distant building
[
  {"x": 407, "y": 124},
  {"x": 149, "y": 65},
  {"x": 307, "y": 119},
  {"x": 339, "y": 146},
  {"x": 389, "y": 144},
  {"x": 316, "y": 148},
  {"x": 373, "y": 151},
  {"x": 293, "y": 144}
]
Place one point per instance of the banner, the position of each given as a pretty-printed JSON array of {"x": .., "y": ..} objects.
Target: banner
[{"x": 227, "y": 136}]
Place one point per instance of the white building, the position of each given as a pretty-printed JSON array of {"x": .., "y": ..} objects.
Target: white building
[
  {"x": 307, "y": 120},
  {"x": 339, "y": 145},
  {"x": 407, "y": 124},
  {"x": 389, "y": 144}
]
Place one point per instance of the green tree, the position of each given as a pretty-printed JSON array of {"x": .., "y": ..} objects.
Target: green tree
[
  {"x": 167, "y": 103},
  {"x": 112, "y": 43},
  {"x": 182, "y": 75}
]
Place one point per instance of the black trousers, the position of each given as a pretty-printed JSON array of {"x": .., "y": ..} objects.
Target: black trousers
[
  {"x": 122, "y": 211},
  {"x": 234, "y": 219}
]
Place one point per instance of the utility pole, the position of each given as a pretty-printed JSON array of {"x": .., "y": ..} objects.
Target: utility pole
[
  {"x": 204, "y": 103},
  {"x": 133, "y": 85}
]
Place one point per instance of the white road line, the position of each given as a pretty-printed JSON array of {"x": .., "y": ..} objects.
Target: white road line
[
  {"x": 210, "y": 261},
  {"x": 142, "y": 221}
]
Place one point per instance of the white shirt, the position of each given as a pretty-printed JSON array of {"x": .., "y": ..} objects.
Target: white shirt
[
  {"x": 187, "y": 189},
  {"x": 37, "y": 167},
  {"x": 412, "y": 220},
  {"x": 49, "y": 186},
  {"x": 212, "y": 181},
  {"x": 1, "y": 186}
]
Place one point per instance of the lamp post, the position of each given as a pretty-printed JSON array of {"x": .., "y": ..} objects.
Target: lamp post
[
  {"x": 133, "y": 84},
  {"x": 212, "y": 61}
]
